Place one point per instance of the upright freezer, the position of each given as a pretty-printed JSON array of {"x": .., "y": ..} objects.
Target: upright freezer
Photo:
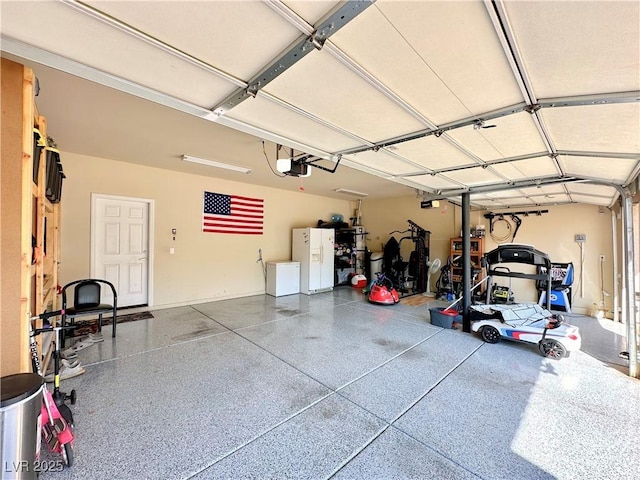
[{"x": 314, "y": 249}]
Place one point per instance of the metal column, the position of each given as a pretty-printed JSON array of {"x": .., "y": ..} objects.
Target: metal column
[
  {"x": 466, "y": 262},
  {"x": 630, "y": 312}
]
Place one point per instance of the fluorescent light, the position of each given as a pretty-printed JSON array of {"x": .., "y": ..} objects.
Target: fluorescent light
[
  {"x": 212, "y": 163},
  {"x": 351, "y": 192}
]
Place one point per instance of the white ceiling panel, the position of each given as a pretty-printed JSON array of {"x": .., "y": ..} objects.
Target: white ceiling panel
[
  {"x": 533, "y": 167},
  {"x": 383, "y": 162},
  {"x": 266, "y": 114},
  {"x": 311, "y": 12},
  {"x": 595, "y": 128},
  {"x": 591, "y": 189},
  {"x": 512, "y": 193},
  {"x": 488, "y": 203},
  {"x": 457, "y": 41},
  {"x": 326, "y": 88},
  {"x": 550, "y": 199},
  {"x": 433, "y": 182},
  {"x": 578, "y": 48},
  {"x": 605, "y": 202},
  {"x": 91, "y": 42},
  {"x": 512, "y": 135},
  {"x": 433, "y": 153},
  {"x": 614, "y": 170},
  {"x": 542, "y": 190},
  {"x": 546, "y": 195},
  {"x": 474, "y": 176},
  {"x": 195, "y": 27},
  {"x": 398, "y": 66}
]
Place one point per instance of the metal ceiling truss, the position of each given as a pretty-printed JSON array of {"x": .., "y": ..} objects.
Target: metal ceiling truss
[
  {"x": 631, "y": 97},
  {"x": 334, "y": 21},
  {"x": 596, "y": 99},
  {"x": 578, "y": 153},
  {"x": 484, "y": 165},
  {"x": 544, "y": 181}
]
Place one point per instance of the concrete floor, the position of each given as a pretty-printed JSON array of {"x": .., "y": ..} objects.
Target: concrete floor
[{"x": 330, "y": 386}]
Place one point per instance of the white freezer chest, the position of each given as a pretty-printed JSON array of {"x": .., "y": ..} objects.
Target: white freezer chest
[{"x": 283, "y": 278}]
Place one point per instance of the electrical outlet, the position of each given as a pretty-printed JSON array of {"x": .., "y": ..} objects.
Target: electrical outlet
[
  {"x": 602, "y": 258},
  {"x": 581, "y": 237}
]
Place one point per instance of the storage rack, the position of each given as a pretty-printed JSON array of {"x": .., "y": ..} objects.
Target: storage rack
[
  {"x": 477, "y": 252},
  {"x": 33, "y": 209},
  {"x": 349, "y": 253}
]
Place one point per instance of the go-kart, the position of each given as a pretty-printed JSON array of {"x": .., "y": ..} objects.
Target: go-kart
[
  {"x": 382, "y": 292},
  {"x": 529, "y": 323}
]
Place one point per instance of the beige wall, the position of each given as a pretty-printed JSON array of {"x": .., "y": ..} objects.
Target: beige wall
[
  {"x": 552, "y": 233},
  {"x": 205, "y": 266},
  {"x": 208, "y": 266}
]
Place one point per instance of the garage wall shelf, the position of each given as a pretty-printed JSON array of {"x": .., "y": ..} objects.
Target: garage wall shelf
[{"x": 30, "y": 218}]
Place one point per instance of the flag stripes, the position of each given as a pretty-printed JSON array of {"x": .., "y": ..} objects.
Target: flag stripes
[{"x": 232, "y": 214}]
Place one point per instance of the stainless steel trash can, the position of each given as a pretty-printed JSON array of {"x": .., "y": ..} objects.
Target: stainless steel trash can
[
  {"x": 375, "y": 263},
  {"x": 20, "y": 423}
]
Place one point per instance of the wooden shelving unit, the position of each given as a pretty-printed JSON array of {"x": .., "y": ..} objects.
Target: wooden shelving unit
[
  {"x": 30, "y": 221},
  {"x": 477, "y": 252}
]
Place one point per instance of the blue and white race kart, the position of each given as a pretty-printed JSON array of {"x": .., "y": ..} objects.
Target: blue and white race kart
[{"x": 529, "y": 323}]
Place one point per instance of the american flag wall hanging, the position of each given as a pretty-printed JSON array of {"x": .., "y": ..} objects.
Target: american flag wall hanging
[{"x": 232, "y": 214}]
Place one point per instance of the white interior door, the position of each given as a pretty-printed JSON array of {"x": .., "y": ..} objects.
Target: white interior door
[{"x": 120, "y": 247}]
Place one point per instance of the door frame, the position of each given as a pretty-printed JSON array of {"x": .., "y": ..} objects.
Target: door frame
[{"x": 150, "y": 235}]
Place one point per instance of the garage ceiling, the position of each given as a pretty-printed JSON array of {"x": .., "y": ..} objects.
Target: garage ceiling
[{"x": 521, "y": 103}]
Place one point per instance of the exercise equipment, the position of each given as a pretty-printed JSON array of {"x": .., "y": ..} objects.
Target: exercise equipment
[{"x": 408, "y": 278}]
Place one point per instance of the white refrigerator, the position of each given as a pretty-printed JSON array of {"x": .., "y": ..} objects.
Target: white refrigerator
[{"x": 314, "y": 249}]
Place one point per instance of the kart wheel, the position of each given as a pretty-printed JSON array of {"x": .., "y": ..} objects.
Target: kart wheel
[
  {"x": 490, "y": 334},
  {"x": 552, "y": 349},
  {"x": 67, "y": 454}
]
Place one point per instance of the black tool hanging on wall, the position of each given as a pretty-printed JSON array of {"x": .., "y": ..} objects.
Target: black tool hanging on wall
[{"x": 512, "y": 232}]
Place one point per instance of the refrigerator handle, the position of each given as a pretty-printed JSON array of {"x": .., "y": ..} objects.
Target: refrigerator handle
[{"x": 321, "y": 254}]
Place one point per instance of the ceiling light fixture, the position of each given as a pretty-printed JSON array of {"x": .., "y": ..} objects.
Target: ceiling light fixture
[
  {"x": 351, "y": 192},
  {"x": 213, "y": 163}
]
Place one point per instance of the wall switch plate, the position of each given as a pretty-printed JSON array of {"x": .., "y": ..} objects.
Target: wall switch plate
[
  {"x": 172, "y": 251},
  {"x": 581, "y": 237}
]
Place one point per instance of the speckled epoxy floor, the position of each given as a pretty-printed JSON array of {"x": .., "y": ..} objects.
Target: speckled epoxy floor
[{"x": 330, "y": 386}]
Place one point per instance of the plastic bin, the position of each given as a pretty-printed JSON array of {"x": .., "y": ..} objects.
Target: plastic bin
[
  {"x": 20, "y": 419},
  {"x": 444, "y": 318}
]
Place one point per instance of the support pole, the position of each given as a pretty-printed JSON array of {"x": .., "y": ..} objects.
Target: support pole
[
  {"x": 630, "y": 315},
  {"x": 616, "y": 285},
  {"x": 466, "y": 262}
]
